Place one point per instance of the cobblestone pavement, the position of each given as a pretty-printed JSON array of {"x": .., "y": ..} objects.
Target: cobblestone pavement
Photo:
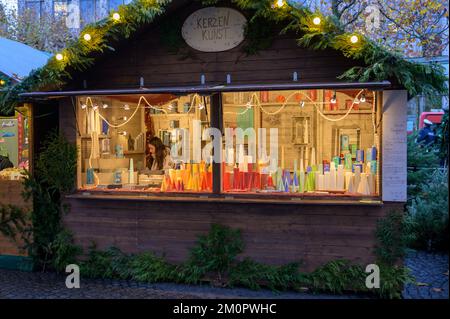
[
  {"x": 24, "y": 285},
  {"x": 431, "y": 273}
]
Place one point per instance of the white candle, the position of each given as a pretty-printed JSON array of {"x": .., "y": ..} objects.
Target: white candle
[
  {"x": 131, "y": 176},
  {"x": 340, "y": 178},
  {"x": 321, "y": 182},
  {"x": 306, "y": 133},
  {"x": 245, "y": 164},
  {"x": 241, "y": 157},
  {"x": 351, "y": 185},
  {"x": 332, "y": 179},
  {"x": 357, "y": 177},
  {"x": 348, "y": 178},
  {"x": 326, "y": 180},
  {"x": 313, "y": 156},
  {"x": 301, "y": 181},
  {"x": 363, "y": 187},
  {"x": 316, "y": 179}
]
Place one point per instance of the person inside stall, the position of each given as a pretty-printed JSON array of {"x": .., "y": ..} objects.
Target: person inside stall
[
  {"x": 158, "y": 155},
  {"x": 5, "y": 163}
]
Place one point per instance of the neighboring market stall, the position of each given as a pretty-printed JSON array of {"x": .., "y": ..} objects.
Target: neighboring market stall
[
  {"x": 17, "y": 60},
  {"x": 269, "y": 139}
]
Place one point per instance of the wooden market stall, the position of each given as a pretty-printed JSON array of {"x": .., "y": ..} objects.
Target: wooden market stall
[
  {"x": 15, "y": 152},
  {"x": 316, "y": 161}
]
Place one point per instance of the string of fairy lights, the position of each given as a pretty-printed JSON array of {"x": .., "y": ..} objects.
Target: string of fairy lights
[{"x": 254, "y": 101}]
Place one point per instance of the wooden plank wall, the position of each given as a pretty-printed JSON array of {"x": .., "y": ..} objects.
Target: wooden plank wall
[
  {"x": 11, "y": 194},
  {"x": 273, "y": 233}
]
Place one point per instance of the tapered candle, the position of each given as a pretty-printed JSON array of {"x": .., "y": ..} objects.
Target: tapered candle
[
  {"x": 316, "y": 178},
  {"x": 306, "y": 133},
  {"x": 357, "y": 177},
  {"x": 301, "y": 157},
  {"x": 363, "y": 187},
  {"x": 340, "y": 177},
  {"x": 131, "y": 177},
  {"x": 313, "y": 156},
  {"x": 321, "y": 182},
  {"x": 326, "y": 180},
  {"x": 301, "y": 181},
  {"x": 332, "y": 176}
]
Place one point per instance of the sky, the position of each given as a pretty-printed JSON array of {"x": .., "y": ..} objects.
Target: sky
[{"x": 10, "y": 4}]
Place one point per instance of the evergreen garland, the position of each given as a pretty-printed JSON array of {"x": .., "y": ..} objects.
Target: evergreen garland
[{"x": 380, "y": 64}]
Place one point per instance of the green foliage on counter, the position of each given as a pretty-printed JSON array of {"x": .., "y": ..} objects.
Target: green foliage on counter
[{"x": 379, "y": 63}]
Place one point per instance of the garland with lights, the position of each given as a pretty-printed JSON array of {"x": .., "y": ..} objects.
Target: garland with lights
[
  {"x": 315, "y": 31},
  {"x": 4, "y": 81}
]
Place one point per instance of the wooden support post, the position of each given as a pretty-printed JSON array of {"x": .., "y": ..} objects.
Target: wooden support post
[{"x": 216, "y": 121}]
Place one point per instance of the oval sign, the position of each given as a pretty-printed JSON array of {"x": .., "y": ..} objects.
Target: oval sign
[{"x": 214, "y": 29}]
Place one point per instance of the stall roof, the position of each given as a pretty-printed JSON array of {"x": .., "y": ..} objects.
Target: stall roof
[
  {"x": 215, "y": 88},
  {"x": 17, "y": 60}
]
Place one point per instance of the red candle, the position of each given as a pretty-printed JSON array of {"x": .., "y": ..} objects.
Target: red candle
[
  {"x": 257, "y": 180},
  {"x": 226, "y": 181},
  {"x": 236, "y": 178},
  {"x": 269, "y": 181},
  {"x": 264, "y": 181}
]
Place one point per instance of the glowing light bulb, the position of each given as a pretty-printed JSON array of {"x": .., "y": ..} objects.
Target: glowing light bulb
[
  {"x": 124, "y": 133},
  {"x": 2, "y": 82},
  {"x": 302, "y": 104},
  {"x": 116, "y": 16},
  {"x": 59, "y": 57},
  {"x": 356, "y": 101},
  {"x": 280, "y": 3},
  {"x": 363, "y": 98},
  {"x": 105, "y": 105},
  {"x": 354, "y": 39},
  {"x": 95, "y": 107},
  {"x": 249, "y": 105},
  {"x": 316, "y": 20},
  {"x": 126, "y": 107},
  {"x": 201, "y": 106},
  {"x": 87, "y": 37},
  {"x": 83, "y": 106}
]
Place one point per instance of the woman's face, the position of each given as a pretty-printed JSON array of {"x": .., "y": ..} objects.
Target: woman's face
[{"x": 152, "y": 149}]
